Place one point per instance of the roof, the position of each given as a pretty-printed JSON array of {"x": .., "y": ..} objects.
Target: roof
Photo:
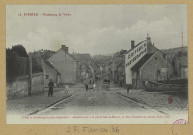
[
  {"x": 85, "y": 64},
  {"x": 141, "y": 62},
  {"x": 82, "y": 57},
  {"x": 121, "y": 64},
  {"x": 64, "y": 52},
  {"x": 120, "y": 53},
  {"x": 50, "y": 65}
]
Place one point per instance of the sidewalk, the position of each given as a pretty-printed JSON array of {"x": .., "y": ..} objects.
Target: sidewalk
[
  {"x": 30, "y": 104},
  {"x": 165, "y": 102}
]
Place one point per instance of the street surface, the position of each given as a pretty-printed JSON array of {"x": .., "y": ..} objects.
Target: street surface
[{"x": 101, "y": 102}]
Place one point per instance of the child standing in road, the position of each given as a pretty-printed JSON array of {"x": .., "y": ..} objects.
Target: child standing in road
[
  {"x": 94, "y": 86},
  {"x": 66, "y": 88}
]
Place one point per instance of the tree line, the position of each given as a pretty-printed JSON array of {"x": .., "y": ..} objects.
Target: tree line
[{"x": 17, "y": 62}]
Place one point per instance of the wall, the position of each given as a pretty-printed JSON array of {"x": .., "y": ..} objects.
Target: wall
[
  {"x": 135, "y": 79},
  {"x": 49, "y": 73},
  {"x": 149, "y": 69},
  {"x": 66, "y": 65},
  {"x": 154, "y": 86},
  {"x": 132, "y": 57},
  {"x": 184, "y": 72},
  {"x": 19, "y": 86}
]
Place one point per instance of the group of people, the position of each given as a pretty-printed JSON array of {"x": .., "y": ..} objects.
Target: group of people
[
  {"x": 95, "y": 87},
  {"x": 51, "y": 87}
]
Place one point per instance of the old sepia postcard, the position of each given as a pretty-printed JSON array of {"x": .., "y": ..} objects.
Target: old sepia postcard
[
  {"x": 96, "y": 64},
  {"x": 94, "y": 67}
]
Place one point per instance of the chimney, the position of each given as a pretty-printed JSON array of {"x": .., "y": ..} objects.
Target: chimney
[
  {"x": 65, "y": 48},
  {"x": 148, "y": 40},
  {"x": 132, "y": 44}
]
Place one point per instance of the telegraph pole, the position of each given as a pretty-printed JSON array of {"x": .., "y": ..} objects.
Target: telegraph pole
[
  {"x": 182, "y": 38},
  {"x": 29, "y": 75}
]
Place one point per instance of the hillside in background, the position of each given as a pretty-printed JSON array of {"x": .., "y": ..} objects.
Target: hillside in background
[
  {"x": 175, "y": 50},
  {"x": 45, "y": 54}
]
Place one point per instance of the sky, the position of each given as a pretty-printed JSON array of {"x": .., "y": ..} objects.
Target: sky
[{"x": 95, "y": 29}]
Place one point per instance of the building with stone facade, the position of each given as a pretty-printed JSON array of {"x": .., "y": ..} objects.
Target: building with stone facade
[
  {"x": 50, "y": 72},
  {"x": 117, "y": 68},
  {"x": 144, "y": 62},
  {"x": 66, "y": 65},
  {"x": 180, "y": 64}
]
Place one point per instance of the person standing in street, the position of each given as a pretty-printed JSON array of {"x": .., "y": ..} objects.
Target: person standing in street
[
  {"x": 51, "y": 87},
  {"x": 86, "y": 87},
  {"x": 94, "y": 86},
  {"x": 66, "y": 88},
  {"x": 129, "y": 86}
]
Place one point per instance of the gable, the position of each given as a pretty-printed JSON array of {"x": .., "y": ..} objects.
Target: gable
[
  {"x": 60, "y": 56},
  {"x": 158, "y": 55},
  {"x": 141, "y": 62},
  {"x": 51, "y": 66}
]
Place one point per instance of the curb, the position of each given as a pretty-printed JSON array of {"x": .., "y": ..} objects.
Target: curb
[
  {"x": 35, "y": 112},
  {"x": 142, "y": 104}
]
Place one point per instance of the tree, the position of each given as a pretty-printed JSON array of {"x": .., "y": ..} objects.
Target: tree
[
  {"x": 16, "y": 61},
  {"x": 19, "y": 50}
]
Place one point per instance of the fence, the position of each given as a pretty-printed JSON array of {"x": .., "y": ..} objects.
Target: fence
[
  {"x": 19, "y": 86},
  {"x": 159, "y": 87}
]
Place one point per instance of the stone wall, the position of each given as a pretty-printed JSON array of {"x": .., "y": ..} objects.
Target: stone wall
[
  {"x": 19, "y": 86},
  {"x": 49, "y": 73},
  {"x": 159, "y": 87}
]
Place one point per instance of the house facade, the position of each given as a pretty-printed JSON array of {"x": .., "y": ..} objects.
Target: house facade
[
  {"x": 85, "y": 72},
  {"x": 152, "y": 67},
  {"x": 145, "y": 62},
  {"x": 118, "y": 67},
  {"x": 66, "y": 65},
  {"x": 50, "y": 72},
  {"x": 180, "y": 64}
]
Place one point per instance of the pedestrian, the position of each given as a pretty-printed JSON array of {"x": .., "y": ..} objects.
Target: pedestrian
[
  {"x": 51, "y": 87},
  {"x": 86, "y": 86},
  {"x": 94, "y": 86},
  {"x": 66, "y": 88},
  {"x": 129, "y": 86}
]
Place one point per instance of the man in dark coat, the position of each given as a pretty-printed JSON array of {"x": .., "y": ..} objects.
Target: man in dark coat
[
  {"x": 129, "y": 86},
  {"x": 86, "y": 86},
  {"x": 51, "y": 86}
]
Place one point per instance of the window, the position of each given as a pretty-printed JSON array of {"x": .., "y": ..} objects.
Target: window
[{"x": 47, "y": 76}]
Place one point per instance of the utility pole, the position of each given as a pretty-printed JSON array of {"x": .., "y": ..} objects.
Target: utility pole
[
  {"x": 182, "y": 39},
  {"x": 167, "y": 67},
  {"x": 29, "y": 75}
]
